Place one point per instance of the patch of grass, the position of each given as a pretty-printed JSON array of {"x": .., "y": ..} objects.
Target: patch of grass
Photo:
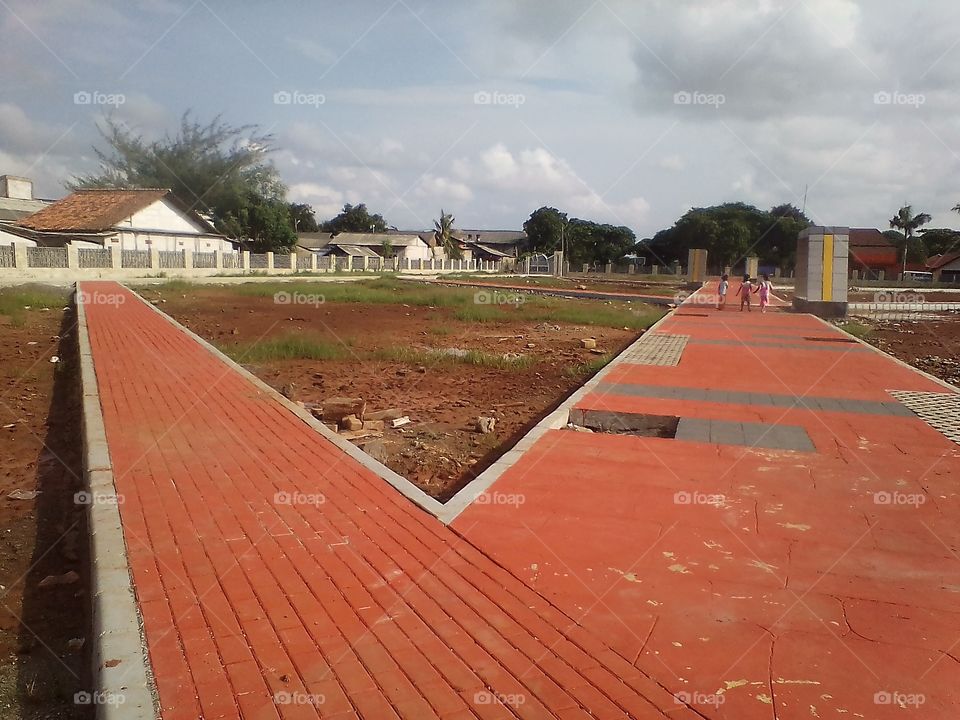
[
  {"x": 483, "y": 314},
  {"x": 288, "y": 347},
  {"x": 433, "y": 358},
  {"x": 588, "y": 369},
  {"x": 857, "y": 329},
  {"x": 383, "y": 291},
  {"x": 173, "y": 286},
  {"x": 16, "y": 302},
  {"x": 600, "y": 315},
  {"x": 440, "y": 330}
]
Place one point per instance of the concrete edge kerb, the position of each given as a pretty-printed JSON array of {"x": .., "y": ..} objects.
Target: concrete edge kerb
[
  {"x": 554, "y": 421},
  {"x": 900, "y": 362},
  {"x": 125, "y": 689},
  {"x": 404, "y": 486}
]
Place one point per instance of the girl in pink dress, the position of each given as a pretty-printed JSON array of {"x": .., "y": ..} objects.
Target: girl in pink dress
[{"x": 764, "y": 289}]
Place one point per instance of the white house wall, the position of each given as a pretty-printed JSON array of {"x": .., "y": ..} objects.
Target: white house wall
[
  {"x": 140, "y": 240},
  {"x": 161, "y": 215},
  {"x": 9, "y": 238}
]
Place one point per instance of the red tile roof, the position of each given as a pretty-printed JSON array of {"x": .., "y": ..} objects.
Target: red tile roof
[{"x": 92, "y": 210}]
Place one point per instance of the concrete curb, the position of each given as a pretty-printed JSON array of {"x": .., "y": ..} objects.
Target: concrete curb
[
  {"x": 404, "y": 486},
  {"x": 123, "y": 683},
  {"x": 556, "y": 420},
  {"x": 900, "y": 362}
]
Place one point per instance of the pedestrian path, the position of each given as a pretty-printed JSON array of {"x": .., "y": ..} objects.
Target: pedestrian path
[
  {"x": 791, "y": 551},
  {"x": 277, "y": 577}
]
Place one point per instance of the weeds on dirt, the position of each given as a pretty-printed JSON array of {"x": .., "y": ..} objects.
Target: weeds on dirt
[
  {"x": 290, "y": 347},
  {"x": 431, "y": 358},
  {"x": 16, "y": 302},
  {"x": 588, "y": 369},
  {"x": 857, "y": 329}
]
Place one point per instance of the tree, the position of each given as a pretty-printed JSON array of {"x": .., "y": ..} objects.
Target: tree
[
  {"x": 386, "y": 248},
  {"x": 443, "y": 232},
  {"x": 303, "y": 219},
  {"x": 908, "y": 223},
  {"x": 545, "y": 230},
  {"x": 356, "y": 219},
  {"x": 594, "y": 243},
  {"x": 213, "y": 168},
  {"x": 940, "y": 241}
]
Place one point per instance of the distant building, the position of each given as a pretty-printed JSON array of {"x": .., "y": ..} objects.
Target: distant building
[
  {"x": 16, "y": 201},
  {"x": 132, "y": 219},
  {"x": 871, "y": 251},
  {"x": 403, "y": 246},
  {"x": 945, "y": 268},
  {"x": 493, "y": 244}
]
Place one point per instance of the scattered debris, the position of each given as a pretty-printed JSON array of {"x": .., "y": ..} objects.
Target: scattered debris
[
  {"x": 373, "y": 425},
  {"x": 388, "y": 414},
  {"x": 351, "y": 422},
  {"x": 23, "y": 494},
  {"x": 337, "y": 408},
  {"x": 486, "y": 425},
  {"x": 75, "y": 644},
  {"x": 289, "y": 391},
  {"x": 55, "y": 359},
  {"x": 588, "y": 343},
  {"x": 67, "y": 578},
  {"x": 400, "y": 421}
]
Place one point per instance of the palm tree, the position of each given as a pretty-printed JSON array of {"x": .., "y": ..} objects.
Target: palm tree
[
  {"x": 956, "y": 208},
  {"x": 907, "y": 223},
  {"x": 444, "y": 235}
]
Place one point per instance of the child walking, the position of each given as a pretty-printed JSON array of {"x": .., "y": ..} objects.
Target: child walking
[
  {"x": 746, "y": 290},
  {"x": 722, "y": 291},
  {"x": 765, "y": 289}
]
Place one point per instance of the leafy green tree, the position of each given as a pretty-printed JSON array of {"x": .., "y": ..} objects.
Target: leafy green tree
[
  {"x": 545, "y": 230},
  {"x": 303, "y": 219},
  {"x": 443, "y": 232},
  {"x": 355, "y": 219},
  {"x": 908, "y": 224},
  {"x": 386, "y": 248},
  {"x": 212, "y": 167},
  {"x": 589, "y": 242},
  {"x": 940, "y": 241}
]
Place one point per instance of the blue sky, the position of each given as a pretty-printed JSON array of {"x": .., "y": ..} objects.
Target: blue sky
[{"x": 620, "y": 111}]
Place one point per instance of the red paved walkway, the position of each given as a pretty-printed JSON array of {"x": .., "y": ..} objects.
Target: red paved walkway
[
  {"x": 279, "y": 578},
  {"x": 815, "y": 585}
]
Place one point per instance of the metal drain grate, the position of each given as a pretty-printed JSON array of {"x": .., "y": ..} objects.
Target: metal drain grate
[
  {"x": 657, "y": 349},
  {"x": 941, "y": 411}
]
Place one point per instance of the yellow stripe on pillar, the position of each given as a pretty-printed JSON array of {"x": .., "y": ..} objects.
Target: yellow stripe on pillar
[{"x": 827, "y": 268}]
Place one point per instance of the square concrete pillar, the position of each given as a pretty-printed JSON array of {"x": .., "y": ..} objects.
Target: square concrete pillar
[
  {"x": 154, "y": 258},
  {"x": 679, "y": 269},
  {"x": 608, "y": 269},
  {"x": 777, "y": 272},
  {"x": 822, "y": 269},
  {"x": 19, "y": 255},
  {"x": 753, "y": 266},
  {"x": 366, "y": 263},
  {"x": 116, "y": 257},
  {"x": 313, "y": 261},
  {"x": 187, "y": 259},
  {"x": 218, "y": 259},
  {"x": 697, "y": 265},
  {"x": 245, "y": 261},
  {"x": 880, "y": 275},
  {"x": 632, "y": 269},
  {"x": 269, "y": 261},
  {"x": 73, "y": 256},
  {"x": 654, "y": 269}
]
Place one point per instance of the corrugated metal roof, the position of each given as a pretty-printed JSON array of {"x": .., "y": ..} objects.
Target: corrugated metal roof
[{"x": 355, "y": 250}]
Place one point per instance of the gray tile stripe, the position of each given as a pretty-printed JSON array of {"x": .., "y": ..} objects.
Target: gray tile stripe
[
  {"x": 817, "y": 404},
  {"x": 759, "y": 435}
]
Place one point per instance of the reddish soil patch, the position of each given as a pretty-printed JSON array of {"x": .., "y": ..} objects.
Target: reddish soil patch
[
  {"x": 43, "y": 665},
  {"x": 440, "y": 450},
  {"x": 931, "y": 345},
  {"x": 665, "y": 288}
]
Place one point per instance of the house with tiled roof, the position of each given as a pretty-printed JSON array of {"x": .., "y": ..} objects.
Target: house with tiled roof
[
  {"x": 945, "y": 268},
  {"x": 130, "y": 218}
]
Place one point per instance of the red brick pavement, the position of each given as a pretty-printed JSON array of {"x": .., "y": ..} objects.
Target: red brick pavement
[{"x": 279, "y": 578}]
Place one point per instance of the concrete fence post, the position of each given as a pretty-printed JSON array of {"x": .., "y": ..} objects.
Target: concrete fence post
[
  {"x": 654, "y": 269},
  {"x": 20, "y": 255},
  {"x": 631, "y": 269},
  {"x": 154, "y": 258},
  {"x": 608, "y": 269},
  {"x": 586, "y": 268},
  {"x": 218, "y": 260},
  {"x": 73, "y": 256},
  {"x": 116, "y": 257},
  {"x": 777, "y": 272},
  {"x": 881, "y": 275},
  {"x": 270, "y": 262},
  {"x": 366, "y": 263},
  {"x": 313, "y": 262},
  {"x": 187, "y": 259},
  {"x": 245, "y": 261}
]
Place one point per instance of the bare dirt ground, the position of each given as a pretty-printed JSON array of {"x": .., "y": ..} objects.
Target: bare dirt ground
[
  {"x": 666, "y": 287},
  {"x": 933, "y": 345},
  {"x": 44, "y": 631},
  {"x": 441, "y": 449}
]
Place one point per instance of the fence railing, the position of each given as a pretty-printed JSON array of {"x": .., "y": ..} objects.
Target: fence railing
[
  {"x": 94, "y": 258},
  {"x": 6, "y": 256},
  {"x": 135, "y": 259},
  {"x": 230, "y": 260},
  {"x": 205, "y": 260},
  {"x": 258, "y": 261},
  {"x": 45, "y": 257},
  {"x": 171, "y": 259}
]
